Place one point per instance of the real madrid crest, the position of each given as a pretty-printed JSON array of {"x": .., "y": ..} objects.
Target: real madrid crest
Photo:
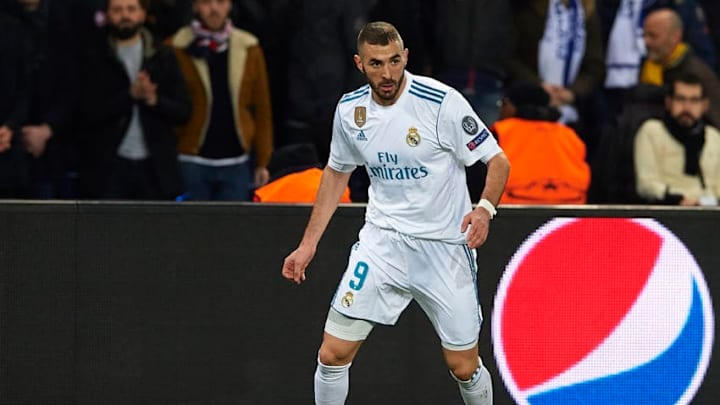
[
  {"x": 360, "y": 116},
  {"x": 347, "y": 299},
  {"x": 413, "y": 138}
]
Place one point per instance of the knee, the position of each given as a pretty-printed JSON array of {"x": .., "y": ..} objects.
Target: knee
[
  {"x": 464, "y": 370},
  {"x": 330, "y": 355}
]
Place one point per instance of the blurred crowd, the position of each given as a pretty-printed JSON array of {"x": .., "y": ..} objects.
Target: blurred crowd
[{"x": 223, "y": 99}]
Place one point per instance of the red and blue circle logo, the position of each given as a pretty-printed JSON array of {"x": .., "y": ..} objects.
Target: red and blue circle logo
[{"x": 603, "y": 311}]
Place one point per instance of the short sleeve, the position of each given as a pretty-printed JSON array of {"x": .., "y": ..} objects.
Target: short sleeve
[
  {"x": 343, "y": 155},
  {"x": 463, "y": 132}
]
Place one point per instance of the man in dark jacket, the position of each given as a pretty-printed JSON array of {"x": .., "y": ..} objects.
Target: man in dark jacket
[
  {"x": 322, "y": 36},
  {"x": 134, "y": 94},
  {"x": 13, "y": 107},
  {"x": 50, "y": 58}
]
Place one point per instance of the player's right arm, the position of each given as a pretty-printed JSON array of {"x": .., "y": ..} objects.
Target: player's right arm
[{"x": 332, "y": 185}]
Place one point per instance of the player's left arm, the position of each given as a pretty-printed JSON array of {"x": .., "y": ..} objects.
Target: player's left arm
[
  {"x": 498, "y": 169},
  {"x": 470, "y": 140}
]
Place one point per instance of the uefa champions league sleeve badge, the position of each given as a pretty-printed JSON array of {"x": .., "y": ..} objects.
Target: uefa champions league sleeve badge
[{"x": 469, "y": 125}]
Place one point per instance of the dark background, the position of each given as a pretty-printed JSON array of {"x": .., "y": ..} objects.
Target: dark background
[{"x": 113, "y": 303}]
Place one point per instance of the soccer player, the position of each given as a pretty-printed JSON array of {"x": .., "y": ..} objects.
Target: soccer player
[{"x": 414, "y": 135}]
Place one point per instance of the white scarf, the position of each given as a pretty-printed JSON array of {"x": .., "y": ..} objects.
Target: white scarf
[
  {"x": 625, "y": 46},
  {"x": 215, "y": 41},
  {"x": 562, "y": 47}
]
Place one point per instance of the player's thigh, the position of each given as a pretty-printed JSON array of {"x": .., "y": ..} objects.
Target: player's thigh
[
  {"x": 374, "y": 285},
  {"x": 445, "y": 287}
]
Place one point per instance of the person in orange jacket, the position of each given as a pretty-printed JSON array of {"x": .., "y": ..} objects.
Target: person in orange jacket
[
  {"x": 548, "y": 157},
  {"x": 295, "y": 176}
]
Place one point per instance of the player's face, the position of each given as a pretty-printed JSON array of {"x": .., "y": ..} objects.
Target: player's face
[
  {"x": 212, "y": 13},
  {"x": 384, "y": 68},
  {"x": 688, "y": 104}
]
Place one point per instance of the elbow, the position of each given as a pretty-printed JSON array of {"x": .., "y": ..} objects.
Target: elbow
[{"x": 501, "y": 164}]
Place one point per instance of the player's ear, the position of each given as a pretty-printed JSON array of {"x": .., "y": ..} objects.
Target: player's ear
[{"x": 358, "y": 63}]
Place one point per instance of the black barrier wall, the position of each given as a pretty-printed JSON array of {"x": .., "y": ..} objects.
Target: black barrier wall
[{"x": 184, "y": 304}]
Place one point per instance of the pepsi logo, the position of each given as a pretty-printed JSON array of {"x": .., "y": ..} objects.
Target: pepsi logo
[{"x": 603, "y": 311}]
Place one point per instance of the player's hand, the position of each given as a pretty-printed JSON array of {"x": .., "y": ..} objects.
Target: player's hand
[
  {"x": 477, "y": 234},
  {"x": 295, "y": 264}
]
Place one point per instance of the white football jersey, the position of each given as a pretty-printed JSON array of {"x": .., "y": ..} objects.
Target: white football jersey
[{"x": 415, "y": 152}]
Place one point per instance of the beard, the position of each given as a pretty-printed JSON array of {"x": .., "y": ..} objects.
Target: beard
[
  {"x": 383, "y": 94},
  {"x": 124, "y": 30},
  {"x": 685, "y": 120}
]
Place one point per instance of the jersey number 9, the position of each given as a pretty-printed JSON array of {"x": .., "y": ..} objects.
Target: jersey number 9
[{"x": 361, "y": 270}]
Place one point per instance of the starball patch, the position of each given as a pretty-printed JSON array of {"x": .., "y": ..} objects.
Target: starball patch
[{"x": 469, "y": 125}]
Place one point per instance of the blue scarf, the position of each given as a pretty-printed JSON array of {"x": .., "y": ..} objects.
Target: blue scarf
[
  {"x": 626, "y": 47},
  {"x": 562, "y": 48}
]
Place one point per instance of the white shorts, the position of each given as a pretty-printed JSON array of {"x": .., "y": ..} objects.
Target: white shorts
[{"x": 387, "y": 269}]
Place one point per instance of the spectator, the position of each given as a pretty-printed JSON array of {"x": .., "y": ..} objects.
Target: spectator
[
  {"x": 231, "y": 114},
  {"x": 557, "y": 43},
  {"x": 469, "y": 42},
  {"x": 622, "y": 26},
  {"x": 668, "y": 57},
  {"x": 50, "y": 56},
  {"x": 548, "y": 157},
  {"x": 13, "y": 108},
  {"x": 319, "y": 70},
  {"x": 622, "y": 22},
  {"x": 677, "y": 159},
  {"x": 278, "y": 21},
  {"x": 133, "y": 95},
  {"x": 296, "y": 172}
]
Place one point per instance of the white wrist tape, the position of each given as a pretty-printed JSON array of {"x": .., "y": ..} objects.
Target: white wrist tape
[{"x": 485, "y": 203}]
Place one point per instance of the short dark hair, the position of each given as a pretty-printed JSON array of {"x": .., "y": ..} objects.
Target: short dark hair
[
  {"x": 378, "y": 33},
  {"x": 686, "y": 78}
]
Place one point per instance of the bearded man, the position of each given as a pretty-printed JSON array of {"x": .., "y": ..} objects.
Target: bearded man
[
  {"x": 134, "y": 95},
  {"x": 677, "y": 159}
]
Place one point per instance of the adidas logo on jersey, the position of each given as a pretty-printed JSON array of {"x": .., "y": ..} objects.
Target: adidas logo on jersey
[{"x": 361, "y": 136}]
